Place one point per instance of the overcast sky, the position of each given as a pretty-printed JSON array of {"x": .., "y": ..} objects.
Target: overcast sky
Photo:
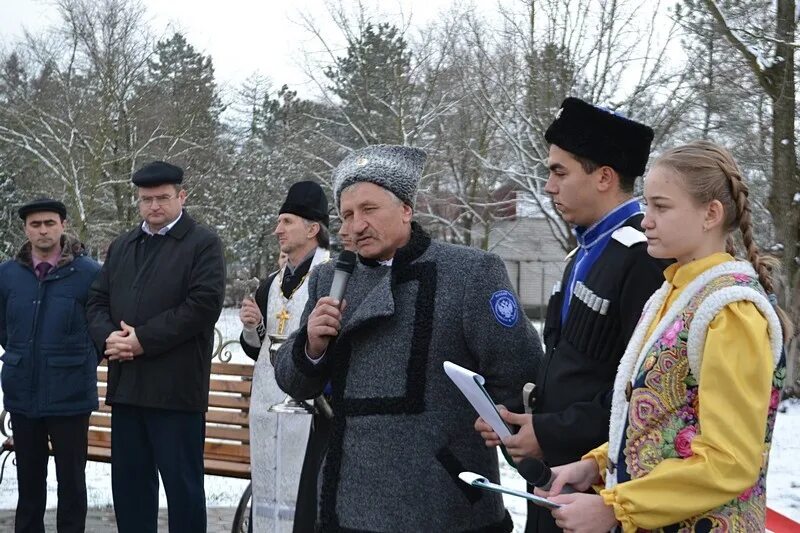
[{"x": 242, "y": 36}]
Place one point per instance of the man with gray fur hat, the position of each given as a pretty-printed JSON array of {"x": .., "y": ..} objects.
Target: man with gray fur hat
[{"x": 402, "y": 432}]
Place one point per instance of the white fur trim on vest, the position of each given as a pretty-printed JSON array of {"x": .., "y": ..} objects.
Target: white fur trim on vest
[
  {"x": 712, "y": 305},
  {"x": 637, "y": 349}
]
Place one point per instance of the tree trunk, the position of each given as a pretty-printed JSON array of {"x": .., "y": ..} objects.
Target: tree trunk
[{"x": 785, "y": 211}]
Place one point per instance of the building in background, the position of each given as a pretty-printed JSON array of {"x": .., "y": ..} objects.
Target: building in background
[{"x": 533, "y": 255}]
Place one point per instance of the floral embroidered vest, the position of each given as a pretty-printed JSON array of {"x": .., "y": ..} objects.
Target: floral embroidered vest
[{"x": 662, "y": 415}]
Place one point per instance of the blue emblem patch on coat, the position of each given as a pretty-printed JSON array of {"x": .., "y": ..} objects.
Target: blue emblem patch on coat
[{"x": 505, "y": 308}]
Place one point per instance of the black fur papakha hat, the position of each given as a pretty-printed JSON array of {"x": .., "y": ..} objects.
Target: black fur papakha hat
[
  {"x": 157, "y": 173},
  {"x": 40, "y": 205},
  {"x": 393, "y": 167},
  {"x": 306, "y": 199},
  {"x": 603, "y": 136}
]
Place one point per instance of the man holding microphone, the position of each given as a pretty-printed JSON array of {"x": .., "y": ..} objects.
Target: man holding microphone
[{"x": 402, "y": 432}]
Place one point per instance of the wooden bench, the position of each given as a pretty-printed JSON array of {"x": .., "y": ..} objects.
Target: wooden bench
[{"x": 227, "y": 444}]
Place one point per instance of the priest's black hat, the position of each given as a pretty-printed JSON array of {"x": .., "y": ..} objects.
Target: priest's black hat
[
  {"x": 306, "y": 199},
  {"x": 41, "y": 205},
  {"x": 157, "y": 173},
  {"x": 601, "y": 135}
]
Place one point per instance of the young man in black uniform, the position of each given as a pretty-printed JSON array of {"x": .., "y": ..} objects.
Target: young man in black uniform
[{"x": 595, "y": 156}]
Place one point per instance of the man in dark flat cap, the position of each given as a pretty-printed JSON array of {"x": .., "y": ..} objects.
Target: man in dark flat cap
[
  {"x": 401, "y": 433},
  {"x": 152, "y": 312},
  {"x": 49, "y": 366},
  {"x": 595, "y": 156},
  {"x": 302, "y": 233}
]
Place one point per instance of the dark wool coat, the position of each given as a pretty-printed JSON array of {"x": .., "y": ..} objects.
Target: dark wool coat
[
  {"x": 402, "y": 431},
  {"x": 173, "y": 300},
  {"x": 49, "y": 364},
  {"x": 574, "y": 383}
]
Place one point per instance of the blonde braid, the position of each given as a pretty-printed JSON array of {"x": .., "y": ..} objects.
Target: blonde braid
[
  {"x": 763, "y": 265},
  {"x": 740, "y": 193},
  {"x": 730, "y": 245}
]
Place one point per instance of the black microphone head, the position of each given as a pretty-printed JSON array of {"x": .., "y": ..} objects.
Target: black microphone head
[
  {"x": 534, "y": 471},
  {"x": 346, "y": 261}
]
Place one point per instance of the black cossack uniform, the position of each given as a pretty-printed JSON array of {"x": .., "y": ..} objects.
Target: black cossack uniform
[{"x": 574, "y": 383}]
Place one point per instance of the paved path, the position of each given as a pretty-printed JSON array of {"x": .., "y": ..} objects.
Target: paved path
[{"x": 101, "y": 520}]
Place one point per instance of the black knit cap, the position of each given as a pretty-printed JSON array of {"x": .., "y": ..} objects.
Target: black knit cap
[
  {"x": 41, "y": 205},
  {"x": 306, "y": 199},
  {"x": 157, "y": 173},
  {"x": 603, "y": 136}
]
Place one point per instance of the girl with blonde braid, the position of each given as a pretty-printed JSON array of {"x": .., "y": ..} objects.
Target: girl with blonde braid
[{"x": 697, "y": 390}]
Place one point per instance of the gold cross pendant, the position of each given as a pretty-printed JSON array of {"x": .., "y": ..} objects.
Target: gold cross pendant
[{"x": 283, "y": 318}]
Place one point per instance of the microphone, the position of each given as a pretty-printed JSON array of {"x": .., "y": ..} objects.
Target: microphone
[
  {"x": 345, "y": 265},
  {"x": 538, "y": 474}
]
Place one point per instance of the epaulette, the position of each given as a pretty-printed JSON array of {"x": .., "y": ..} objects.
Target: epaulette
[
  {"x": 573, "y": 252},
  {"x": 628, "y": 236}
]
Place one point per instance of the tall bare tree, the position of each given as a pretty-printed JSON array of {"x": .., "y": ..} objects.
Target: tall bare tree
[
  {"x": 604, "y": 52},
  {"x": 762, "y": 33},
  {"x": 80, "y": 99},
  {"x": 767, "y": 44}
]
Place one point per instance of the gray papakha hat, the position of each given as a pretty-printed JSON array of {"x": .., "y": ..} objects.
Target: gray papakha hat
[{"x": 395, "y": 168}]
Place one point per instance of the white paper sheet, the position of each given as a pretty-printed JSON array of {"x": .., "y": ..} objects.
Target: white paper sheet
[
  {"x": 471, "y": 478},
  {"x": 471, "y": 386}
]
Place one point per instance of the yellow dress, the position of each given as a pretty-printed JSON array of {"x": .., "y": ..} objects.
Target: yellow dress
[{"x": 734, "y": 397}]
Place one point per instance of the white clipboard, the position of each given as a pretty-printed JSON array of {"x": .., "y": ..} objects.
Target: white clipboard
[
  {"x": 475, "y": 480},
  {"x": 471, "y": 386}
]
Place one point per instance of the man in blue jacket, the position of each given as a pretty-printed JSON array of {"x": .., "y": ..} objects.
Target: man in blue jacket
[{"x": 49, "y": 366}]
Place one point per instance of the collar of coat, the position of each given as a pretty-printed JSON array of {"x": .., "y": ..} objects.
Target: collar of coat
[
  {"x": 70, "y": 249},
  {"x": 416, "y": 246},
  {"x": 178, "y": 231}
]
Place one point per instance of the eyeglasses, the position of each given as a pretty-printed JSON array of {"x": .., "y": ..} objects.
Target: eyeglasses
[{"x": 160, "y": 200}]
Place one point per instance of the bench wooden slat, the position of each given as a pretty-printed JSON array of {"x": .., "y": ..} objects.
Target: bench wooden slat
[
  {"x": 232, "y": 418},
  {"x": 231, "y": 385},
  {"x": 239, "y": 453},
  {"x": 227, "y": 433},
  {"x": 101, "y": 439},
  {"x": 230, "y": 402},
  {"x": 227, "y": 468},
  {"x": 100, "y": 454},
  {"x": 232, "y": 369},
  {"x": 102, "y": 421}
]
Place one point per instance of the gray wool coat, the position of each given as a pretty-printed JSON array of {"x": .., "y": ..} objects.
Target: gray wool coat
[{"x": 402, "y": 431}]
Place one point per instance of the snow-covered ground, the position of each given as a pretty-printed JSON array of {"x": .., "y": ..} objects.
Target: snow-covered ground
[{"x": 783, "y": 482}]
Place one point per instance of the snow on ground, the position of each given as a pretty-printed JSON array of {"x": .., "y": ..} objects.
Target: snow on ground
[
  {"x": 783, "y": 478},
  {"x": 783, "y": 482}
]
